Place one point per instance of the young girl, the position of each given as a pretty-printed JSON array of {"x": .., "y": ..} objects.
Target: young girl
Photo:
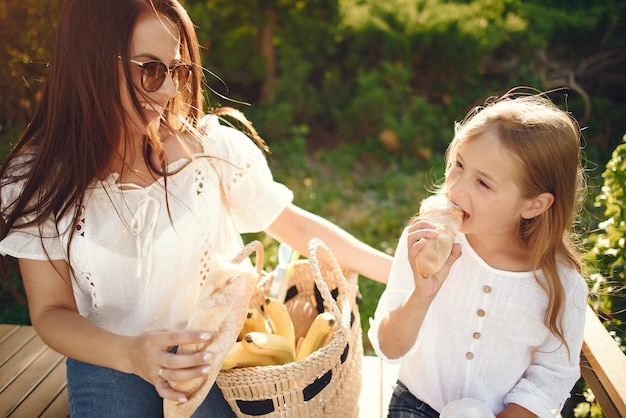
[
  {"x": 118, "y": 193},
  {"x": 502, "y": 322}
]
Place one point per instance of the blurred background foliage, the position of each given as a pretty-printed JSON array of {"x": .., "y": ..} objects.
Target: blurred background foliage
[{"x": 358, "y": 98}]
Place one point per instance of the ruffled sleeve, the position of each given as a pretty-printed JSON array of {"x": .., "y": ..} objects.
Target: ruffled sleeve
[
  {"x": 37, "y": 242},
  {"x": 253, "y": 198}
]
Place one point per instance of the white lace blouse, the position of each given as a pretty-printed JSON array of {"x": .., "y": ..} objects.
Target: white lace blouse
[
  {"x": 484, "y": 338},
  {"x": 134, "y": 268}
]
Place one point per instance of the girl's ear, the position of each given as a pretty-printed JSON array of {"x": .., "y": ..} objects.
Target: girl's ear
[{"x": 538, "y": 205}]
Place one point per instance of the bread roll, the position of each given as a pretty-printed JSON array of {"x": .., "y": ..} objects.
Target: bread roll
[
  {"x": 447, "y": 218},
  {"x": 221, "y": 311}
]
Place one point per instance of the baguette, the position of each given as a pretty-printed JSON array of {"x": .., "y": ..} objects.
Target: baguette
[
  {"x": 447, "y": 218},
  {"x": 221, "y": 310}
]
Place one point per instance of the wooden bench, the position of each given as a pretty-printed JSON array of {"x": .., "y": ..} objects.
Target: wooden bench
[
  {"x": 603, "y": 366},
  {"x": 378, "y": 380},
  {"x": 32, "y": 376}
]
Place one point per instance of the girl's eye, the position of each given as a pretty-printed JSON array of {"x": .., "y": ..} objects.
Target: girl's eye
[
  {"x": 458, "y": 164},
  {"x": 483, "y": 184}
]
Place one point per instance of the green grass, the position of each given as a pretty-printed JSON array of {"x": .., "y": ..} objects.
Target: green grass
[{"x": 370, "y": 198}]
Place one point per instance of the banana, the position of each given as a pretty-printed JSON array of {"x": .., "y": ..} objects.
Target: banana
[
  {"x": 268, "y": 344},
  {"x": 238, "y": 356},
  {"x": 255, "y": 321},
  {"x": 299, "y": 343},
  {"x": 280, "y": 320},
  {"x": 316, "y": 336}
]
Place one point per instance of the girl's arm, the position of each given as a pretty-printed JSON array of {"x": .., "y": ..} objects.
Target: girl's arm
[
  {"x": 54, "y": 315},
  {"x": 398, "y": 329},
  {"x": 296, "y": 227}
]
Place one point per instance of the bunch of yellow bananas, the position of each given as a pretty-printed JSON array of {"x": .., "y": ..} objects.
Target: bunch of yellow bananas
[{"x": 268, "y": 337}]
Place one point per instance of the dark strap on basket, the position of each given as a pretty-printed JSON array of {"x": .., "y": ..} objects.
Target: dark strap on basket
[
  {"x": 317, "y": 385},
  {"x": 255, "y": 408},
  {"x": 292, "y": 292},
  {"x": 265, "y": 406},
  {"x": 320, "y": 302}
]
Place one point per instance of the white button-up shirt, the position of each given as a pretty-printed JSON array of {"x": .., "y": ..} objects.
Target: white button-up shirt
[{"x": 484, "y": 336}]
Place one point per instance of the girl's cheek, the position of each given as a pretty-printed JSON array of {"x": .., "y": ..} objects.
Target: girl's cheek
[{"x": 451, "y": 179}]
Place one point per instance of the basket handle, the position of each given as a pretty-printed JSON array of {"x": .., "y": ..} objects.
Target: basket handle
[
  {"x": 342, "y": 315},
  {"x": 253, "y": 246}
]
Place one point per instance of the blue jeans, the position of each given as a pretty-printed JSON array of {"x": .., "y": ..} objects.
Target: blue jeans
[
  {"x": 96, "y": 391},
  {"x": 404, "y": 404}
]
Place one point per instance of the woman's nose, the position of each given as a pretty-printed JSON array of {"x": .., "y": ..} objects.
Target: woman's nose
[{"x": 169, "y": 87}]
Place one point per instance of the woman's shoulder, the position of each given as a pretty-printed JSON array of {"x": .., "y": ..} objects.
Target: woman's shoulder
[
  {"x": 214, "y": 131},
  {"x": 228, "y": 144}
]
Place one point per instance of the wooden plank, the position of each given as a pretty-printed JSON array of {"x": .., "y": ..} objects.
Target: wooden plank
[
  {"x": 370, "y": 396},
  {"x": 379, "y": 378},
  {"x": 389, "y": 378},
  {"x": 14, "y": 342},
  {"x": 602, "y": 397},
  {"x": 20, "y": 360},
  {"x": 45, "y": 393},
  {"x": 608, "y": 366},
  {"x": 58, "y": 408},
  {"x": 21, "y": 387},
  {"x": 7, "y": 329}
]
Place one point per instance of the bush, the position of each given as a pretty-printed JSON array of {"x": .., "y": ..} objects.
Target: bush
[
  {"x": 607, "y": 256},
  {"x": 27, "y": 30}
]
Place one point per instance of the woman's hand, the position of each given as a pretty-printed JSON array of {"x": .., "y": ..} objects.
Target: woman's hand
[
  {"x": 421, "y": 230},
  {"x": 151, "y": 358}
]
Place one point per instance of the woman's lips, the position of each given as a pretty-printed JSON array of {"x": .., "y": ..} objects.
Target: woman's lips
[{"x": 151, "y": 110}]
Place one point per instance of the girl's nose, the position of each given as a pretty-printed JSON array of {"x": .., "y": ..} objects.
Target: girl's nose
[{"x": 455, "y": 187}]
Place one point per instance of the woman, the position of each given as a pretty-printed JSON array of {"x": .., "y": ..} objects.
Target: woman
[{"x": 119, "y": 192}]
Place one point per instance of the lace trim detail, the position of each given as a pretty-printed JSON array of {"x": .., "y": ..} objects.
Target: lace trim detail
[
  {"x": 80, "y": 225},
  {"x": 200, "y": 183},
  {"x": 238, "y": 175},
  {"x": 81, "y": 259}
]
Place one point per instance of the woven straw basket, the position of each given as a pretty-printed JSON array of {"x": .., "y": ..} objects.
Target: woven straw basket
[{"x": 327, "y": 383}]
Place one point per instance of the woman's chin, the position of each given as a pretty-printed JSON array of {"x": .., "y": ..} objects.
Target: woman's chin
[{"x": 154, "y": 122}]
